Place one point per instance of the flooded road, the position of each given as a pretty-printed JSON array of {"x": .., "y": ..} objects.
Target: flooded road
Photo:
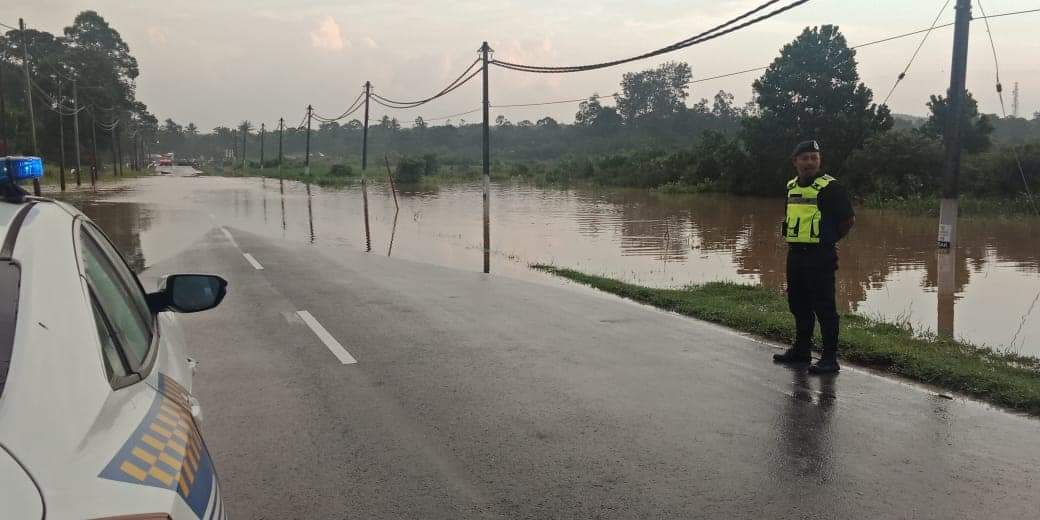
[{"x": 888, "y": 266}]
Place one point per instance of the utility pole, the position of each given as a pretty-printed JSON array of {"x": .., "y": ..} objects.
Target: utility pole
[
  {"x": 364, "y": 134},
  {"x": 364, "y": 166},
  {"x": 28, "y": 98},
  {"x": 262, "y": 131},
  {"x": 952, "y": 137},
  {"x": 484, "y": 51},
  {"x": 96, "y": 170},
  {"x": 3, "y": 107},
  {"x": 281, "y": 133},
  {"x": 947, "y": 238},
  {"x": 307, "y": 156},
  {"x": 75, "y": 130},
  {"x": 112, "y": 145},
  {"x": 1014, "y": 101},
  {"x": 119, "y": 150},
  {"x": 61, "y": 136},
  {"x": 245, "y": 134}
]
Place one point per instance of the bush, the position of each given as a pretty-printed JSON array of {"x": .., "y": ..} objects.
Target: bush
[
  {"x": 413, "y": 169},
  {"x": 895, "y": 164},
  {"x": 341, "y": 170}
]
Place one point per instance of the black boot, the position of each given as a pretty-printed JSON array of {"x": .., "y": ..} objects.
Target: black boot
[
  {"x": 794, "y": 355},
  {"x": 828, "y": 364}
]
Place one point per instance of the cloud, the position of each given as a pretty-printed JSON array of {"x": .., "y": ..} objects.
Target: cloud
[
  {"x": 156, "y": 35},
  {"x": 369, "y": 42},
  {"x": 328, "y": 35}
]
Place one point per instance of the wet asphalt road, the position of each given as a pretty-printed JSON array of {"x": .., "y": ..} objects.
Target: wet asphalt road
[{"x": 489, "y": 397}]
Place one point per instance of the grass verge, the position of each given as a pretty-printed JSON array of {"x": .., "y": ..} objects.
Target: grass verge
[{"x": 1007, "y": 380}]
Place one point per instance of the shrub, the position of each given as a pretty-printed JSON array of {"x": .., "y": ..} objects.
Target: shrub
[{"x": 341, "y": 170}]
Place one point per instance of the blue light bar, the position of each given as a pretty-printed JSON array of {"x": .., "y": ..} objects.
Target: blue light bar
[{"x": 20, "y": 168}]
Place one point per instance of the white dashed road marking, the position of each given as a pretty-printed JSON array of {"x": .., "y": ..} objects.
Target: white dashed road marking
[
  {"x": 229, "y": 237},
  {"x": 326, "y": 338},
  {"x": 252, "y": 261}
]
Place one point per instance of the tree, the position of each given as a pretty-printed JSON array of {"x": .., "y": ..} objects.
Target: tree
[
  {"x": 191, "y": 130},
  {"x": 526, "y": 123},
  {"x": 501, "y": 121},
  {"x": 547, "y": 122},
  {"x": 722, "y": 107},
  {"x": 811, "y": 91},
  {"x": 420, "y": 123},
  {"x": 658, "y": 93},
  {"x": 975, "y": 128},
  {"x": 899, "y": 163}
]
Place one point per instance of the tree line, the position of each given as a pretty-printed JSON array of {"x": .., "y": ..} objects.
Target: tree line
[
  {"x": 88, "y": 66},
  {"x": 647, "y": 134}
]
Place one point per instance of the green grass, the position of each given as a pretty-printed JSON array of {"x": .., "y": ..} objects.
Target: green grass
[
  {"x": 969, "y": 206},
  {"x": 51, "y": 175},
  {"x": 320, "y": 173},
  {"x": 1007, "y": 380}
]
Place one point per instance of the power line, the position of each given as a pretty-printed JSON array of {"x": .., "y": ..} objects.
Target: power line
[
  {"x": 2, "y": 24},
  {"x": 917, "y": 51},
  {"x": 560, "y": 102},
  {"x": 462, "y": 79},
  {"x": 874, "y": 42},
  {"x": 1003, "y": 110},
  {"x": 714, "y": 32},
  {"x": 356, "y": 104}
]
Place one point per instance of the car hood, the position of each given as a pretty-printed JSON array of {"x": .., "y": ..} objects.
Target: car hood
[{"x": 18, "y": 493}]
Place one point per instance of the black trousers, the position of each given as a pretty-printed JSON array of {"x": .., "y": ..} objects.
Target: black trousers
[{"x": 810, "y": 294}]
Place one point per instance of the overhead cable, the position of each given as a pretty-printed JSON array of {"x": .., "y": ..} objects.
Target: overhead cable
[
  {"x": 462, "y": 79},
  {"x": 873, "y": 42},
  {"x": 356, "y": 104},
  {"x": 714, "y": 32},
  {"x": 917, "y": 51},
  {"x": 1003, "y": 110}
]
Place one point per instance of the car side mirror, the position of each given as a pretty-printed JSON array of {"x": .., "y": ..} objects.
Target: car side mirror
[{"x": 188, "y": 293}]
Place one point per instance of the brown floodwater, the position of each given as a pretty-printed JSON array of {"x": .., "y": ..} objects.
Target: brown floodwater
[{"x": 888, "y": 265}]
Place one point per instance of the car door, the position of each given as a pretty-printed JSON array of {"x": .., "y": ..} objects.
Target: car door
[{"x": 164, "y": 449}]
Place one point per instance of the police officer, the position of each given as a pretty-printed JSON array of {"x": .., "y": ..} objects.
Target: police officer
[{"x": 819, "y": 214}]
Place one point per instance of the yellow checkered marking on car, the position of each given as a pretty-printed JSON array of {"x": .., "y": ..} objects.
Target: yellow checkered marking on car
[{"x": 168, "y": 449}]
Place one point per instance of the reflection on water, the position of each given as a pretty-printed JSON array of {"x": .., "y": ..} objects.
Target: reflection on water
[
  {"x": 123, "y": 223},
  {"x": 888, "y": 266}
]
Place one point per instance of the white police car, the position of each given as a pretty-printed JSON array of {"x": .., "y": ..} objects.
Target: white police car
[{"x": 96, "y": 414}]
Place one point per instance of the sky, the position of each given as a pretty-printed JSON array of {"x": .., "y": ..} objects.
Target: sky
[{"x": 220, "y": 62}]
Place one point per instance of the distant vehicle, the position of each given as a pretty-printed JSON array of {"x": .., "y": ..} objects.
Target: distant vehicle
[
  {"x": 97, "y": 418},
  {"x": 165, "y": 161}
]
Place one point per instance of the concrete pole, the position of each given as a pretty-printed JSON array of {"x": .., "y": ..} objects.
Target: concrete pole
[
  {"x": 307, "y": 157},
  {"x": 364, "y": 167},
  {"x": 263, "y": 129},
  {"x": 948, "y": 209},
  {"x": 112, "y": 147},
  {"x": 952, "y": 136},
  {"x": 61, "y": 138},
  {"x": 28, "y": 98},
  {"x": 484, "y": 50},
  {"x": 96, "y": 169},
  {"x": 364, "y": 134},
  {"x": 281, "y": 133},
  {"x": 245, "y": 134},
  {"x": 75, "y": 131},
  {"x": 3, "y": 107}
]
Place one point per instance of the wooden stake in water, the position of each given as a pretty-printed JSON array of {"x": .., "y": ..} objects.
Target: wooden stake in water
[{"x": 393, "y": 187}]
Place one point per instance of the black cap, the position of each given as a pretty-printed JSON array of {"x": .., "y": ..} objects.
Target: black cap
[{"x": 805, "y": 146}]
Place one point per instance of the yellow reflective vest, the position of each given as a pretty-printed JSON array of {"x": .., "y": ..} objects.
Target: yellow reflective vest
[{"x": 802, "y": 225}]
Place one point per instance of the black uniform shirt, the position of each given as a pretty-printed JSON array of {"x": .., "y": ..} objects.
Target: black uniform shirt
[{"x": 835, "y": 208}]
